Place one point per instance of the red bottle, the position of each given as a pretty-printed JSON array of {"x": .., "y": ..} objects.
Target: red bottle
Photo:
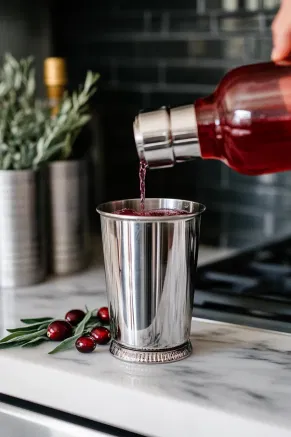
[{"x": 246, "y": 123}]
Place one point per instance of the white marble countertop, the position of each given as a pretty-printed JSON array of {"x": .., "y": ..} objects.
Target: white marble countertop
[{"x": 237, "y": 381}]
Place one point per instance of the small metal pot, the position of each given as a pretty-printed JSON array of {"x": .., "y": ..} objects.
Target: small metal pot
[
  {"x": 69, "y": 221},
  {"x": 23, "y": 244}
]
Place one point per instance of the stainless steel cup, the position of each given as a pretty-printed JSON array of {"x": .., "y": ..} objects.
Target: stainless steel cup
[
  {"x": 70, "y": 233},
  {"x": 150, "y": 268},
  {"x": 23, "y": 229}
]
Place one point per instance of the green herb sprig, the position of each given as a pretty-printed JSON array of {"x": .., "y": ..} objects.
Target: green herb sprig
[
  {"x": 62, "y": 130},
  {"x": 29, "y": 136}
]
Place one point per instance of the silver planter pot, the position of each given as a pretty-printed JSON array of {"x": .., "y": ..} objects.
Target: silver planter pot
[
  {"x": 70, "y": 230},
  {"x": 23, "y": 230}
]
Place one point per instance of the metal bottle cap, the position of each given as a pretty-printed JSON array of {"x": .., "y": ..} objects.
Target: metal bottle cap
[
  {"x": 55, "y": 72},
  {"x": 152, "y": 132},
  {"x": 166, "y": 136}
]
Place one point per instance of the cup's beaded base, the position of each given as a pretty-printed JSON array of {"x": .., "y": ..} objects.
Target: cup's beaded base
[{"x": 151, "y": 356}]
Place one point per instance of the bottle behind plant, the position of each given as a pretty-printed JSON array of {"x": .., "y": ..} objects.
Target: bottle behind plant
[{"x": 68, "y": 182}]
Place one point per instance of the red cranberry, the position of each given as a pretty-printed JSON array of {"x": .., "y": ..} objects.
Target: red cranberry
[
  {"x": 101, "y": 335},
  {"x": 103, "y": 315},
  {"x": 85, "y": 344},
  {"x": 74, "y": 317},
  {"x": 59, "y": 330}
]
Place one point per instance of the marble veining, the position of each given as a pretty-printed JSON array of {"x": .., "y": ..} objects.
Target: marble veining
[{"x": 234, "y": 370}]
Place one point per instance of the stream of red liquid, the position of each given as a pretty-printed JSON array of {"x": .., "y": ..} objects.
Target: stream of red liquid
[
  {"x": 142, "y": 175},
  {"x": 151, "y": 212}
]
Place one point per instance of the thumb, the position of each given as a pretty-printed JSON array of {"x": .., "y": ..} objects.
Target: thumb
[{"x": 282, "y": 46}]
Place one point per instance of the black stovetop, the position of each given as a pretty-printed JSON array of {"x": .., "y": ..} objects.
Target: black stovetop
[{"x": 250, "y": 288}]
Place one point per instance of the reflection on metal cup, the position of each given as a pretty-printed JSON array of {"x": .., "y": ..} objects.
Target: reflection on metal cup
[{"x": 150, "y": 267}]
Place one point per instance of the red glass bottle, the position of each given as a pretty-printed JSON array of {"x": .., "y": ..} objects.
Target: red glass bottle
[{"x": 246, "y": 123}]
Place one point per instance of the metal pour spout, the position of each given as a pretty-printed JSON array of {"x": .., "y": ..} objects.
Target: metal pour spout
[{"x": 167, "y": 136}]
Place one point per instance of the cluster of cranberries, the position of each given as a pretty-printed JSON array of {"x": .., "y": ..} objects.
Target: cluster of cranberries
[{"x": 59, "y": 330}]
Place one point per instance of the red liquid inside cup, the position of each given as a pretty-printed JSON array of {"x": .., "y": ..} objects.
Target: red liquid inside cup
[{"x": 152, "y": 212}]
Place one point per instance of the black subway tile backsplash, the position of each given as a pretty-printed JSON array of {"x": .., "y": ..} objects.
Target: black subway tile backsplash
[
  {"x": 194, "y": 75},
  {"x": 155, "y": 21},
  {"x": 98, "y": 22},
  {"x": 261, "y": 199},
  {"x": 238, "y": 221},
  {"x": 211, "y": 5},
  {"x": 129, "y": 5},
  {"x": 181, "y": 22},
  {"x": 149, "y": 74},
  {"x": 118, "y": 22},
  {"x": 232, "y": 49},
  {"x": 157, "y": 99},
  {"x": 203, "y": 48},
  {"x": 212, "y": 227},
  {"x": 235, "y": 48},
  {"x": 157, "y": 49},
  {"x": 264, "y": 47},
  {"x": 271, "y": 5},
  {"x": 247, "y": 23},
  {"x": 114, "y": 101},
  {"x": 268, "y": 20},
  {"x": 114, "y": 49}
]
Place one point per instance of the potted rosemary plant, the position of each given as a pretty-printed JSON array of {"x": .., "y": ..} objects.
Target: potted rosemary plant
[
  {"x": 23, "y": 149},
  {"x": 29, "y": 140}
]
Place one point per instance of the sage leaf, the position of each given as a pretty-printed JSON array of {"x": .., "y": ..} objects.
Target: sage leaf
[
  {"x": 30, "y": 328},
  {"x": 7, "y": 161},
  {"x": 91, "y": 326},
  {"x": 34, "y": 321},
  {"x": 81, "y": 326},
  {"x": 45, "y": 325},
  {"x": 65, "y": 345},
  {"x": 35, "y": 341},
  {"x": 50, "y": 152},
  {"x": 31, "y": 83},
  {"x": 22, "y": 336},
  {"x": 10, "y": 345},
  {"x": 12, "y": 336}
]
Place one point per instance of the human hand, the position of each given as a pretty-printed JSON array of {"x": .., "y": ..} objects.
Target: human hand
[{"x": 281, "y": 31}]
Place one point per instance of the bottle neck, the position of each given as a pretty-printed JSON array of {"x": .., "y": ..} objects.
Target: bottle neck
[
  {"x": 208, "y": 126},
  {"x": 55, "y": 94},
  {"x": 55, "y": 80}
]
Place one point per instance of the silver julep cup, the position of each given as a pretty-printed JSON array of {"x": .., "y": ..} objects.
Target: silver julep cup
[
  {"x": 150, "y": 268},
  {"x": 23, "y": 228},
  {"x": 70, "y": 233}
]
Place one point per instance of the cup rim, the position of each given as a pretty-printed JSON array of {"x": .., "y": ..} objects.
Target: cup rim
[{"x": 201, "y": 209}]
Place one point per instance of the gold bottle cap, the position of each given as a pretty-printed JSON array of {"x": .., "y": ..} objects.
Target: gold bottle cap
[{"x": 55, "y": 72}]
